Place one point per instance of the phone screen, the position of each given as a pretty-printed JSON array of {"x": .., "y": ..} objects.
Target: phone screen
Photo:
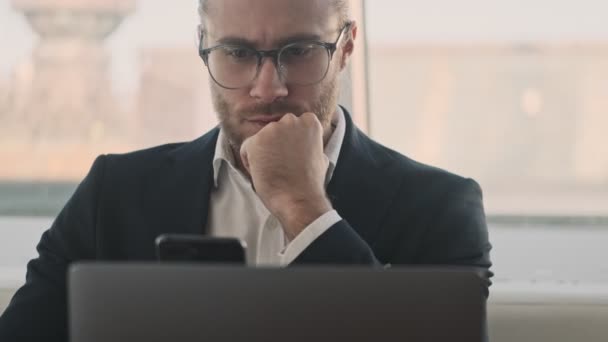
[{"x": 194, "y": 248}]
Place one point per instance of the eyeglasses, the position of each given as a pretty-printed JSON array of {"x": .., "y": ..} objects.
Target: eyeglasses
[{"x": 303, "y": 63}]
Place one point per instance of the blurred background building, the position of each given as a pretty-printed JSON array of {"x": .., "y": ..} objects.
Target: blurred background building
[
  {"x": 521, "y": 118},
  {"x": 58, "y": 109},
  {"x": 174, "y": 101},
  {"x": 63, "y": 93},
  {"x": 525, "y": 119}
]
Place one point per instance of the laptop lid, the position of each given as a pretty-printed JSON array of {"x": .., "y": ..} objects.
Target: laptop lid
[{"x": 181, "y": 302}]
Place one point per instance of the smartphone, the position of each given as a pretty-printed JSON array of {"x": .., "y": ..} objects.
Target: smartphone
[{"x": 195, "y": 248}]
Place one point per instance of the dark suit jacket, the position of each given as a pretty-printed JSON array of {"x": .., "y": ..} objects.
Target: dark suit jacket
[{"x": 395, "y": 211}]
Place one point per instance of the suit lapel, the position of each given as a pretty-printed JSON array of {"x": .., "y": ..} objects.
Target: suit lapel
[
  {"x": 186, "y": 192},
  {"x": 364, "y": 182}
]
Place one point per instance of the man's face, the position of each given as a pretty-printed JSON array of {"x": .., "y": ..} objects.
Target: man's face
[{"x": 266, "y": 25}]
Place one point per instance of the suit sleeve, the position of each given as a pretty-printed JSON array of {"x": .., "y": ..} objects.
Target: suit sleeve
[
  {"x": 339, "y": 245},
  {"x": 458, "y": 234},
  {"x": 455, "y": 234},
  {"x": 38, "y": 311}
]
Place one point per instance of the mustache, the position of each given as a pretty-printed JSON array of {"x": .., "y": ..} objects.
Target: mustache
[{"x": 273, "y": 109}]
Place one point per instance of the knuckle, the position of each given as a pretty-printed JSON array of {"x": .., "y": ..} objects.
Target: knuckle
[
  {"x": 310, "y": 118},
  {"x": 312, "y": 121},
  {"x": 289, "y": 117}
]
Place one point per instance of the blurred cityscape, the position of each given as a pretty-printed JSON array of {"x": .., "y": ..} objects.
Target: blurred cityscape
[
  {"x": 515, "y": 117},
  {"x": 533, "y": 114},
  {"x": 58, "y": 110}
]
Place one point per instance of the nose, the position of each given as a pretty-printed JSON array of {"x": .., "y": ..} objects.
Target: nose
[{"x": 268, "y": 86}]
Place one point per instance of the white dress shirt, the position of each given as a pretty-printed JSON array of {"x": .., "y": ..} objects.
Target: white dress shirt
[{"x": 236, "y": 210}]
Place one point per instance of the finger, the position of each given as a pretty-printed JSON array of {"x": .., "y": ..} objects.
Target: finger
[
  {"x": 289, "y": 117},
  {"x": 310, "y": 116},
  {"x": 311, "y": 119}
]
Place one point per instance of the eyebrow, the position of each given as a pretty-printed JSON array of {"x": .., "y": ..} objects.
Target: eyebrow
[{"x": 230, "y": 40}]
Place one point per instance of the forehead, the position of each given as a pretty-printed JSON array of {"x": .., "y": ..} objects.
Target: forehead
[{"x": 265, "y": 22}]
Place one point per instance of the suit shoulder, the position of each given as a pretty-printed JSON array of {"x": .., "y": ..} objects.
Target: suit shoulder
[
  {"x": 146, "y": 155},
  {"x": 152, "y": 156},
  {"x": 415, "y": 171}
]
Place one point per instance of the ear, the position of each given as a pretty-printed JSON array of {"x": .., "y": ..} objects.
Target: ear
[{"x": 349, "y": 45}]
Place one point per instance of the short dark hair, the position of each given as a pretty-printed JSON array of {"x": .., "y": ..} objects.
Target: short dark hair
[{"x": 341, "y": 6}]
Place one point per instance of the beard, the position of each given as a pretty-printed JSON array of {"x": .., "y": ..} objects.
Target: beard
[{"x": 231, "y": 120}]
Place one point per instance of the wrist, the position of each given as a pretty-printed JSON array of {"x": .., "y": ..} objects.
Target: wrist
[{"x": 296, "y": 215}]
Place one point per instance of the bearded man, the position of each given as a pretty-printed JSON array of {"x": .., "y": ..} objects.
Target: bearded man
[{"x": 286, "y": 171}]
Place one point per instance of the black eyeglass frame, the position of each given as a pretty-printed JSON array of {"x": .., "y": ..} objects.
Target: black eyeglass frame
[{"x": 275, "y": 54}]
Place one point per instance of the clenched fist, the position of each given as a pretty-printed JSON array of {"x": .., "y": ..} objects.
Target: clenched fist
[{"x": 287, "y": 166}]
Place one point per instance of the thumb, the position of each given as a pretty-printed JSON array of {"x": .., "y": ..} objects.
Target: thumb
[
  {"x": 245, "y": 161},
  {"x": 245, "y": 156}
]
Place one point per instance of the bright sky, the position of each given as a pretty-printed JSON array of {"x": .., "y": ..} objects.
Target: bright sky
[{"x": 162, "y": 23}]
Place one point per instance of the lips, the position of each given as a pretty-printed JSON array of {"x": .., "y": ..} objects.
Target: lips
[{"x": 264, "y": 119}]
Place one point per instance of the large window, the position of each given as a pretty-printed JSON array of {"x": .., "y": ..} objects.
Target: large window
[
  {"x": 513, "y": 94},
  {"x": 83, "y": 78}
]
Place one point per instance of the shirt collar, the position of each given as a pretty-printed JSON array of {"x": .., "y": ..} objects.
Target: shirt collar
[{"x": 223, "y": 154}]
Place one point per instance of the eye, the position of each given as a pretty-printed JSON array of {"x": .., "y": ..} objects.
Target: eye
[
  {"x": 238, "y": 53},
  {"x": 298, "y": 50}
]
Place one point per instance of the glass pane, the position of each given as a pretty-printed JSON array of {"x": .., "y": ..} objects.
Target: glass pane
[
  {"x": 519, "y": 107},
  {"x": 514, "y": 95},
  {"x": 88, "y": 77}
]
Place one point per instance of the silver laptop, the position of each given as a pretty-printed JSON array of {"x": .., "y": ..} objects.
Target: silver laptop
[{"x": 181, "y": 302}]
